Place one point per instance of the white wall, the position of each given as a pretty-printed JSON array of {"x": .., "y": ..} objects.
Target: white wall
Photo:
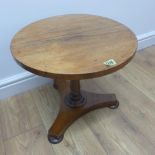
[{"x": 14, "y": 14}]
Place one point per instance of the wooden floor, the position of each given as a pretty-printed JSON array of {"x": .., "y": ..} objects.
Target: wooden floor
[{"x": 128, "y": 130}]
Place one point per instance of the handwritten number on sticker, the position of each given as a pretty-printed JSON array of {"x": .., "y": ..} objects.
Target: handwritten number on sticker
[{"x": 110, "y": 62}]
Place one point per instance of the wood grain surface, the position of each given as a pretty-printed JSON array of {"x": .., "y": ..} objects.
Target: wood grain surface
[{"x": 73, "y": 46}]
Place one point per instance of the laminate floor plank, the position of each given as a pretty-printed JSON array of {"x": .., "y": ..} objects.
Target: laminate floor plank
[
  {"x": 135, "y": 109},
  {"x": 33, "y": 142},
  {"x": 140, "y": 78},
  {"x": 141, "y": 73},
  {"x": 145, "y": 58},
  {"x": 18, "y": 114},
  {"x": 47, "y": 101},
  {"x": 2, "y": 149}
]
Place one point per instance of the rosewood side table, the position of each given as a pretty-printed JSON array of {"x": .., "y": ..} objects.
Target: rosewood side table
[{"x": 74, "y": 47}]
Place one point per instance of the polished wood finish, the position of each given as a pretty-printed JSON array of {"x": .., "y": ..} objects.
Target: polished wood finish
[
  {"x": 128, "y": 130},
  {"x": 73, "y": 47},
  {"x": 75, "y": 98},
  {"x": 74, "y": 106}
]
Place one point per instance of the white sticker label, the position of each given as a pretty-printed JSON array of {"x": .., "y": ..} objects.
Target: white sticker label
[{"x": 110, "y": 62}]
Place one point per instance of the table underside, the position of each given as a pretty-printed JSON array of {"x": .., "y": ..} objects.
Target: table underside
[{"x": 75, "y": 103}]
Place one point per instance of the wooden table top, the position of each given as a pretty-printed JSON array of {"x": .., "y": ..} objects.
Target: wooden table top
[{"x": 73, "y": 46}]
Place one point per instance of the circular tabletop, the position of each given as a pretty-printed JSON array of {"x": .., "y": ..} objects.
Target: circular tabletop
[{"x": 73, "y": 46}]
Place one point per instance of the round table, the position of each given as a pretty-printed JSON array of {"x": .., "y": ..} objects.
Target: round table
[{"x": 74, "y": 47}]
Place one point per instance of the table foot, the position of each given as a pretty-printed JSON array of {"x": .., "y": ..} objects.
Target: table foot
[
  {"x": 54, "y": 139},
  {"x": 114, "y": 106},
  {"x": 55, "y": 85},
  {"x": 67, "y": 114}
]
